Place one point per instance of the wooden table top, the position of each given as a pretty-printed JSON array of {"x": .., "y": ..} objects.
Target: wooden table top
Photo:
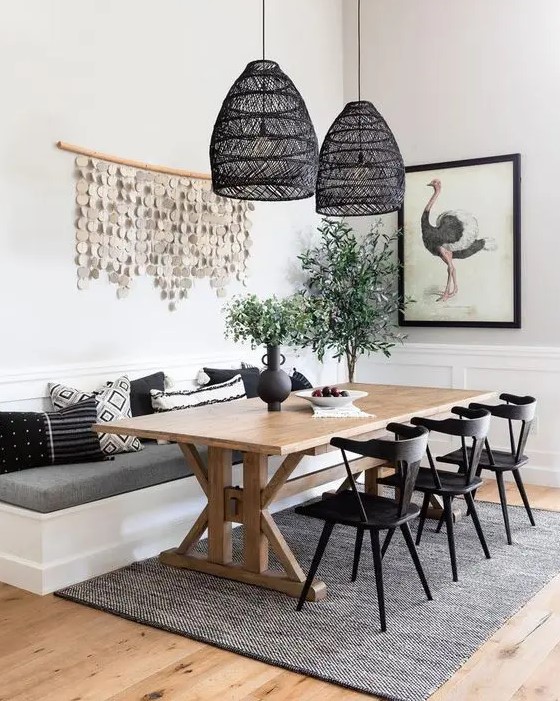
[{"x": 247, "y": 425}]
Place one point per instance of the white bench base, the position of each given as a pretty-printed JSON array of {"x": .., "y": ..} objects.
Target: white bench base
[{"x": 44, "y": 552}]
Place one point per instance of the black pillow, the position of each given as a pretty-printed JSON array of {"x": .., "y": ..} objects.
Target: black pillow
[
  {"x": 300, "y": 382},
  {"x": 250, "y": 377},
  {"x": 32, "y": 439},
  {"x": 140, "y": 398}
]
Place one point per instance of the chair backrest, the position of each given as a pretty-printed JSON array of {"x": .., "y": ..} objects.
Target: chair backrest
[
  {"x": 404, "y": 453},
  {"x": 521, "y": 409},
  {"x": 473, "y": 424}
]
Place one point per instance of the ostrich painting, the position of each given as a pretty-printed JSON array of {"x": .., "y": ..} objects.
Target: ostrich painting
[{"x": 454, "y": 235}]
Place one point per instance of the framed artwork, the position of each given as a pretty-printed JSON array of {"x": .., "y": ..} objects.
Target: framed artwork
[{"x": 460, "y": 248}]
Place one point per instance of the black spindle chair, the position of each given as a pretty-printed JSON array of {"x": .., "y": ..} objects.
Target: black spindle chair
[
  {"x": 473, "y": 424},
  {"x": 515, "y": 409},
  {"x": 367, "y": 512}
]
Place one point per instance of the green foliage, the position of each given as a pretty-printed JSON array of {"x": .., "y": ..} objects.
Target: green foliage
[
  {"x": 268, "y": 322},
  {"x": 351, "y": 293}
]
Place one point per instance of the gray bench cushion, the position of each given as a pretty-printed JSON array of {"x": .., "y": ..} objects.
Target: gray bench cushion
[{"x": 55, "y": 487}]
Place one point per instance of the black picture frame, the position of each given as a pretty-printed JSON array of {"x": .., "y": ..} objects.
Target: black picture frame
[{"x": 515, "y": 321}]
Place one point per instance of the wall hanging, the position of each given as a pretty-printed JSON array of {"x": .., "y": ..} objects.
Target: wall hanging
[
  {"x": 264, "y": 145},
  {"x": 135, "y": 219},
  {"x": 361, "y": 170}
]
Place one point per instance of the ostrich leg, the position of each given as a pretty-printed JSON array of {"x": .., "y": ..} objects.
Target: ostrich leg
[{"x": 451, "y": 288}]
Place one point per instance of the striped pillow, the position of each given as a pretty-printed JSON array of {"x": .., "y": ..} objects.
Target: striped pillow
[
  {"x": 175, "y": 399},
  {"x": 32, "y": 439}
]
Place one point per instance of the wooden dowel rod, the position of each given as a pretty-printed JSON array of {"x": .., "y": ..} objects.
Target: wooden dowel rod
[{"x": 64, "y": 146}]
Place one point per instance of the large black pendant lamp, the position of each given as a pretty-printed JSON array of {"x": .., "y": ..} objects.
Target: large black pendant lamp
[
  {"x": 264, "y": 146},
  {"x": 361, "y": 170}
]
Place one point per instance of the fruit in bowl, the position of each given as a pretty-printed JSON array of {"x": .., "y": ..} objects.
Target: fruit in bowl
[
  {"x": 329, "y": 392},
  {"x": 330, "y": 396}
]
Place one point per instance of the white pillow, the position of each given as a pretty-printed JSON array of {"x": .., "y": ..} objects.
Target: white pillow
[{"x": 175, "y": 399}]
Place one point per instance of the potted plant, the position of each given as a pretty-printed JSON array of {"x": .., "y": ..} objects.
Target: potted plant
[
  {"x": 351, "y": 293},
  {"x": 270, "y": 322}
]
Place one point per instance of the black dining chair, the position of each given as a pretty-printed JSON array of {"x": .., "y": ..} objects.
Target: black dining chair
[
  {"x": 473, "y": 425},
  {"x": 515, "y": 410},
  {"x": 368, "y": 512}
]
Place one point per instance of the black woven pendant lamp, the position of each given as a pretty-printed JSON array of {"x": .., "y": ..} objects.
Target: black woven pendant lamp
[
  {"x": 264, "y": 146},
  {"x": 361, "y": 170}
]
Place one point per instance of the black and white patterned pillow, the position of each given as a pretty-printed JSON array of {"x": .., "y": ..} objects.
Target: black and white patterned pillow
[
  {"x": 173, "y": 400},
  {"x": 299, "y": 381},
  {"x": 113, "y": 403},
  {"x": 33, "y": 439}
]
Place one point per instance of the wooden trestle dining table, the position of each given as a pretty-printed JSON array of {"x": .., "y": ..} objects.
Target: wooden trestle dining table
[{"x": 247, "y": 426}]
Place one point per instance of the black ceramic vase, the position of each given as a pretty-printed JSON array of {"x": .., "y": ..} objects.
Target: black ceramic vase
[{"x": 274, "y": 384}]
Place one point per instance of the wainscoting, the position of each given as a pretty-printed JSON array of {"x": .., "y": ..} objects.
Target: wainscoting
[{"x": 514, "y": 369}]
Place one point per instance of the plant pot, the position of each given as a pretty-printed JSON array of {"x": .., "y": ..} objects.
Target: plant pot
[{"x": 274, "y": 384}]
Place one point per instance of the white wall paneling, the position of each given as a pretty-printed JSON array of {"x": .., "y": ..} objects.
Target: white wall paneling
[{"x": 515, "y": 369}]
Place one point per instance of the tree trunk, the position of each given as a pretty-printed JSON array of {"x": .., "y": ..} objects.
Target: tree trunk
[{"x": 351, "y": 365}]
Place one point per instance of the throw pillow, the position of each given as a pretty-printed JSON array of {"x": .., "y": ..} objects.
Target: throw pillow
[
  {"x": 113, "y": 402},
  {"x": 172, "y": 400},
  {"x": 250, "y": 377},
  {"x": 140, "y": 399},
  {"x": 299, "y": 381},
  {"x": 33, "y": 439}
]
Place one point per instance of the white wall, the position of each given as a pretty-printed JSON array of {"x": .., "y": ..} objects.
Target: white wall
[
  {"x": 143, "y": 80},
  {"x": 472, "y": 78},
  {"x": 466, "y": 79}
]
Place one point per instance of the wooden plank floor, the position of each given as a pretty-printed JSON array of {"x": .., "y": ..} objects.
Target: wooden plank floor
[{"x": 54, "y": 650}]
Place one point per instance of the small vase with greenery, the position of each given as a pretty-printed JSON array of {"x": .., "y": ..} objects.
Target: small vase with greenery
[
  {"x": 351, "y": 293},
  {"x": 270, "y": 322}
]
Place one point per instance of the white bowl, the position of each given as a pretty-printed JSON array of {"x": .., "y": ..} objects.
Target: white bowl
[{"x": 331, "y": 402}]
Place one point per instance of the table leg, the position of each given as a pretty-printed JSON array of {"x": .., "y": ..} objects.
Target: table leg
[
  {"x": 370, "y": 480},
  {"x": 255, "y": 478},
  {"x": 260, "y": 530},
  {"x": 219, "y": 529}
]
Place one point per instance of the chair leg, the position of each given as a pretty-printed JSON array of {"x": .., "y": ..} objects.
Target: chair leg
[
  {"x": 478, "y": 473},
  {"x": 476, "y": 521},
  {"x": 422, "y": 521},
  {"x": 387, "y": 541},
  {"x": 503, "y": 501},
  {"x": 377, "y": 564},
  {"x": 448, "y": 513},
  {"x": 357, "y": 552},
  {"x": 440, "y": 522},
  {"x": 405, "y": 528},
  {"x": 323, "y": 540},
  {"x": 521, "y": 487}
]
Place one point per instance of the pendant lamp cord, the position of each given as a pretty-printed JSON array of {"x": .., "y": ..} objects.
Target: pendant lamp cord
[
  {"x": 359, "y": 50},
  {"x": 263, "y": 128},
  {"x": 360, "y": 152},
  {"x": 263, "y": 29}
]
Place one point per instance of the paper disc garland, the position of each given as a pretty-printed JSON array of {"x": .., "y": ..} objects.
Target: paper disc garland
[{"x": 134, "y": 222}]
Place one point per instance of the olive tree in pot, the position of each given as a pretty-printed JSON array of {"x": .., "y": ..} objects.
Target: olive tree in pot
[
  {"x": 269, "y": 322},
  {"x": 351, "y": 293}
]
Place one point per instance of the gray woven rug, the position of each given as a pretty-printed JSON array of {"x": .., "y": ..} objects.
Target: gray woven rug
[{"x": 338, "y": 639}]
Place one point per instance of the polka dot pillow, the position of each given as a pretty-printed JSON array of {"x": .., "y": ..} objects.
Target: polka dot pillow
[{"x": 33, "y": 439}]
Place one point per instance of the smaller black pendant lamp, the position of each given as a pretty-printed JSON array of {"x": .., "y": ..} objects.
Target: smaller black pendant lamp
[
  {"x": 361, "y": 170},
  {"x": 264, "y": 145}
]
